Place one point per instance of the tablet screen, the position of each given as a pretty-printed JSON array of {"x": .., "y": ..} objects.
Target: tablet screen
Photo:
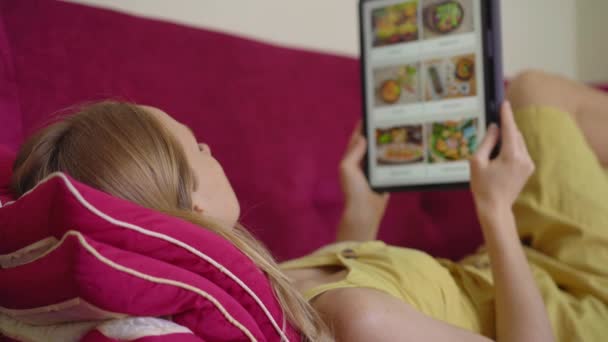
[{"x": 424, "y": 90}]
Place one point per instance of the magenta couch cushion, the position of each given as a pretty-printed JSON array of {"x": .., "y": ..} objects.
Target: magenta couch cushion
[{"x": 101, "y": 257}]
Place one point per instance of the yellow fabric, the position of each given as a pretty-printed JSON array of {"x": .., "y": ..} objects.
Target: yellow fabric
[{"x": 562, "y": 214}]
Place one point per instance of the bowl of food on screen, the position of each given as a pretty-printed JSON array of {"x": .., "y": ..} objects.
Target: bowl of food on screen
[
  {"x": 399, "y": 145},
  {"x": 390, "y": 91},
  {"x": 395, "y": 24},
  {"x": 465, "y": 69},
  {"x": 452, "y": 140},
  {"x": 443, "y": 17},
  {"x": 401, "y": 86}
]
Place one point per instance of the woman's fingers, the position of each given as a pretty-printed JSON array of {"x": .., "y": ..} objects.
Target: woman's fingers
[
  {"x": 509, "y": 131},
  {"x": 355, "y": 135},
  {"x": 514, "y": 145},
  {"x": 354, "y": 155},
  {"x": 355, "y": 151},
  {"x": 487, "y": 145}
]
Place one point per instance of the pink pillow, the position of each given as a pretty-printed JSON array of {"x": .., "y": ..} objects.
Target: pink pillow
[{"x": 101, "y": 257}]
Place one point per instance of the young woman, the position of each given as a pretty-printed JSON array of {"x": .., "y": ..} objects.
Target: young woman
[{"x": 556, "y": 286}]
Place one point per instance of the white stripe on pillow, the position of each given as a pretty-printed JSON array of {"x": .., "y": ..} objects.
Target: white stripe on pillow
[
  {"x": 75, "y": 309},
  {"x": 158, "y": 280},
  {"x": 28, "y": 253},
  {"x": 20, "y": 324},
  {"x": 147, "y": 277}
]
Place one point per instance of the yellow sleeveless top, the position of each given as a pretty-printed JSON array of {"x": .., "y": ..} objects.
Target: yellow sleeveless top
[
  {"x": 407, "y": 274},
  {"x": 562, "y": 211}
]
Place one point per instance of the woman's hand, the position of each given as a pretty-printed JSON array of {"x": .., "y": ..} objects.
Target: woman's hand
[
  {"x": 497, "y": 183},
  {"x": 520, "y": 311},
  {"x": 363, "y": 208}
]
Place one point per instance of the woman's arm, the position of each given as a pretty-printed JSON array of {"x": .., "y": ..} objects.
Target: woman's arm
[
  {"x": 520, "y": 312},
  {"x": 363, "y": 208},
  {"x": 364, "y": 314},
  {"x": 361, "y": 314}
]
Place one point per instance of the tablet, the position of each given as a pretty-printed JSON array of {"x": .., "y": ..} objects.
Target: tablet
[{"x": 432, "y": 83}]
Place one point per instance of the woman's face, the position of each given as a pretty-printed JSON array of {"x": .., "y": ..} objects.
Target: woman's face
[{"x": 213, "y": 195}]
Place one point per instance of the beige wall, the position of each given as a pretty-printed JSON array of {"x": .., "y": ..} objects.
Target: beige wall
[
  {"x": 592, "y": 40},
  {"x": 537, "y": 33},
  {"x": 328, "y": 25},
  {"x": 540, "y": 34}
]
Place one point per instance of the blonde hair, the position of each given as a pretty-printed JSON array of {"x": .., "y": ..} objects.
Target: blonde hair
[{"x": 123, "y": 150}]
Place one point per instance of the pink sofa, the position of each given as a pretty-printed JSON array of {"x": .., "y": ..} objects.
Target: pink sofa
[{"x": 276, "y": 118}]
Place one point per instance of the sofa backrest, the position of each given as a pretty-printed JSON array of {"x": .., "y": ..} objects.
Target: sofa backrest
[{"x": 10, "y": 116}]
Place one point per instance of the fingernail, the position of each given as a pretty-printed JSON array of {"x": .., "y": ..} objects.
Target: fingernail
[{"x": 508, "y": 105}]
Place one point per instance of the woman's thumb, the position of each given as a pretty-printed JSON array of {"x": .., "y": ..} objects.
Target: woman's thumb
[{"x": 357, "y": 152}]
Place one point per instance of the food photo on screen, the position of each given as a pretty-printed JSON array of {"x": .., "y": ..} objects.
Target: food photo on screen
[
  {"x": 449, "y": 78},
  {"x": 399, "y": 145},
  {"x": 443, "y": 18},
  {"x": 451, "y": 140},
  {"x": 395, "y": 24},
  {"x": 397, "y": 85}
]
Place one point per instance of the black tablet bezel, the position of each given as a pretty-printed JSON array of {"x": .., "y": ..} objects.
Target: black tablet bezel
[{"x": 493, "y": 82}]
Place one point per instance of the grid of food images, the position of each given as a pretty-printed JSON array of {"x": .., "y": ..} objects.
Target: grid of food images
[
  {"x": 451, "y": 76},
  {"x": 429, "y": 80}
]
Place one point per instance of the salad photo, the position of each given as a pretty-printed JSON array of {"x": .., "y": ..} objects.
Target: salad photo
[
  {"x": 400, "y": 145},
  {"x": 451, "y": 140},
  {"x": 397, "y": 85},
  {"x": 444, "y": 17},
  {"x": 395, "y": 24}
]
